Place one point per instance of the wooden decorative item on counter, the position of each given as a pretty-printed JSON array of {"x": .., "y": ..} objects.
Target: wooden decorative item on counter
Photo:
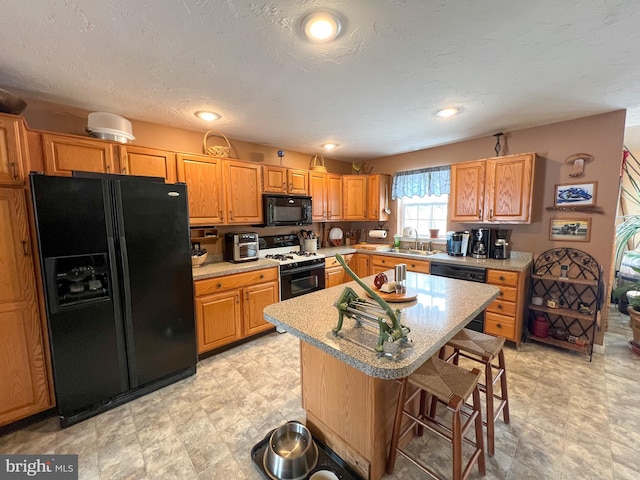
[{"x": 216, "y": 150}]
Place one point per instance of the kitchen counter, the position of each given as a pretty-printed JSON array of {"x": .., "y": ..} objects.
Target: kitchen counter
[
  {"x": 518, "y": 261},
  {"x": 348, "y": 391},
  {"x": 219, "y": 269},
  {"x": 443, "y": 307}
]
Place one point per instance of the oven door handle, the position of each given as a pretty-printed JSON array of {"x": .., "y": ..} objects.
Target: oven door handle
[{"x": 304, "y": 268}]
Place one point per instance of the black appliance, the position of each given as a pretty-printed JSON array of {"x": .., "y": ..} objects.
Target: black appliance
[
  {"x": 241, "y": 247},
  {"x": 300, "y": 272},
  {"x": 461, "y": 272},
  {"x": 481, "y": 243},
  {"x": 457, "y": 243},
  {"x": 115, "y": 258},
  {"x": 501, "y": 249},
  {"x": 286, "y": 210}
]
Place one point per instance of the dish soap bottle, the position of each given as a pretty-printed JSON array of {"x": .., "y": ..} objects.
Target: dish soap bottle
[{"x": 396, "y": 241}]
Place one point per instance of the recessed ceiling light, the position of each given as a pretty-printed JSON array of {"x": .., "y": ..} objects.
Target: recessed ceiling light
[
  {"x": 208, "y": 116},
  {"x": 329, "y": 146},
  {"x": 448, "y": 112},
  {"x": 321, "y": 27}
]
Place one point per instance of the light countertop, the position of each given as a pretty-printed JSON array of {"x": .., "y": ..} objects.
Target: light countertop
[
  {"x": 442, "y": 308},
  {"x": 519, "y": 262}
]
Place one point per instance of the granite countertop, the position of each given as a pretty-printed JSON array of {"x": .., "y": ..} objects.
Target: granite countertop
[
  {"x": 218, "y": 269},
  {"x": 518, "y": 261},
  {"x": 442, "y": 308}
]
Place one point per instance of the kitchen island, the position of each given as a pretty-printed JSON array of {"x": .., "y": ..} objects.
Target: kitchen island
[{"x": 349, "y": 391}]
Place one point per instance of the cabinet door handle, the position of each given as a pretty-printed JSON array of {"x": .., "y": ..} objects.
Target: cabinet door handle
[
  {"x": 108, "y": 167},
  {"x": 25, "y": 248},
  {"x": 230, "y": 215},
  {"x": 124, "y": 170},
  {"x": 491, "y": 213},
  {"x": 480, "y": 214},
  {"x": 284, "y": 185},
  {"x": 14, "y": 168},
  {"x": 500, "y": 294},
  {"x": 246, "y": 296}
]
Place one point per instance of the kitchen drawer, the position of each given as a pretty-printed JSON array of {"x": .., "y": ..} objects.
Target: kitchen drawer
[
  {"x": 382, "y": 261},
  {"x": 333, "y": 261},
  {"x": 502, "y": 277},
  {"x": 418, "y": 266},
  {"x": 508, "y": 294},
  {"x": 503, "y": 308},
  {"x": 237, "y": 280},
  {"x": 495, "y": 324}
]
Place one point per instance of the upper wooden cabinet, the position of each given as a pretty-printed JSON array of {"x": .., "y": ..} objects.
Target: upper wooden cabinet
[
  {"x": 147, "y": 162},
  {"x": 378, "y": 191},
  {"x": 65, "y": 153},
  {"x": 243, "y": 192},
  {"x": 326, "y": 192},
  {"x": 12, "y": 151},
  {"x": 23, "y": 374},
  {"x": 354, "y": 197},
  {"x": 496, "y": 190},
  {"x": 285, "y": 180},
  {"x": 203, "y": 176}
]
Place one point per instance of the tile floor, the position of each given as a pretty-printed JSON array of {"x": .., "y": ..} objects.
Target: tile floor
[{"x": 570, "y": 419}]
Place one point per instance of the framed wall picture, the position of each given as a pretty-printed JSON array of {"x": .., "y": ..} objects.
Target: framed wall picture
[
  {"x": 570, "y": 229},
  {"x": 575, "y": 195}
]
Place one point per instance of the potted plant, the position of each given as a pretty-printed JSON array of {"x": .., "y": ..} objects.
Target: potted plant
[{"x": 626, "y": 239}]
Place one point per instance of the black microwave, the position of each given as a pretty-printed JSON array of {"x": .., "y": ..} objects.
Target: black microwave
[{"x": 283, "y": 210}]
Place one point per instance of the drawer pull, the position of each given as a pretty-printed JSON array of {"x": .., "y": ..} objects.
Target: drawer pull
[
  {"x": 218, "y": 285},
  {"x": 499, "y": 325},
  {"x": 502, "y": 278},
  {"x": 261, "y": 276},
  {"x": 499, "y": 307},
  {"x": 500, "y": 294}
]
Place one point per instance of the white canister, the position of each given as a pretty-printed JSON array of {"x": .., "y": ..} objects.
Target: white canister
[{"x": 310, "y": 244}]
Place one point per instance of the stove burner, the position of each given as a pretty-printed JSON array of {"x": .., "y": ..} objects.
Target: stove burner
[
  {"x": 279, "y": 256},
  {"x": 305, "y": 254}
]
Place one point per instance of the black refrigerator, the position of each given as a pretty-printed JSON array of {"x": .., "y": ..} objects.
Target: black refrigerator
[{"x": 115, "y": 258}]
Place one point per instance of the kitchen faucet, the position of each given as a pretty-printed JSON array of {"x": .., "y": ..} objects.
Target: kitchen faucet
[{"x": 416, "y": 231}]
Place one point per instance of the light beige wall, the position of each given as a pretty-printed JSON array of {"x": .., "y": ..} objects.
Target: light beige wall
[
  {"x": 600, "y": 136},
  {"x": 63, "y": 119}
]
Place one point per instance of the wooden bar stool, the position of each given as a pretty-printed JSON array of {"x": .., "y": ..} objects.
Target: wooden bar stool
[
  {"x": 450, "y": 385},
  {"x": 484, "y": 349}
]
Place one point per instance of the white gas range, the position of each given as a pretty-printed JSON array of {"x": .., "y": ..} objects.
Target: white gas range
[{"x": 300, "y": 272}]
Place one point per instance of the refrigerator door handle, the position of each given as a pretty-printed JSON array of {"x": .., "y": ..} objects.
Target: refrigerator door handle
[
  {"x": 126, "y": 289},
  {"x": 122, "y": 352}
]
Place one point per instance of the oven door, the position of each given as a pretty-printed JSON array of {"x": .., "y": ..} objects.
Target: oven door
[{"x": 302, "y": 280}]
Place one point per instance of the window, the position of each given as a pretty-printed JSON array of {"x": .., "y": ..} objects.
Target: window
[{"x": 424, "y": 213}]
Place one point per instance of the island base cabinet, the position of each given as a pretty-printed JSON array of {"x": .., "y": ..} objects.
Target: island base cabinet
[{"x": 349, "y": 411}]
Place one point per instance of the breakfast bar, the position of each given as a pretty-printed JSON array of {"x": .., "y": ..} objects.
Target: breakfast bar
[{"x": 348, "y": 389}]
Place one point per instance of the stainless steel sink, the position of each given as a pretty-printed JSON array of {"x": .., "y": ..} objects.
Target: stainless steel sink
[{"x": 413, "y": 251}]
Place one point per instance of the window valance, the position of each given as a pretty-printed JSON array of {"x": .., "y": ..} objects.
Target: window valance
[{"x": 422, "y": 182}]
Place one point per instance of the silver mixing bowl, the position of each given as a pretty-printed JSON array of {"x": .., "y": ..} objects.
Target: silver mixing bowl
[{"x": 291, "y": 453}]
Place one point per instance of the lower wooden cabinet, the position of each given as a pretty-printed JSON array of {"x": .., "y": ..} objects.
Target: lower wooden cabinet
[
  {"x": 24, "y": 382},
  {"x": 334, "y": 273},
  {"x": 229, "y": 308},
  {"x": 382, "y": 263},
  {"x": 360, "y": 264},
  {"x": 505, "y": 315}
]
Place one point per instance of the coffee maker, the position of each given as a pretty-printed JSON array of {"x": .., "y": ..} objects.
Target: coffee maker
[
  {"x": 481, "y": 243},
  {"x": 457, "y": 243},
  {"x": 501, "y": 249}
]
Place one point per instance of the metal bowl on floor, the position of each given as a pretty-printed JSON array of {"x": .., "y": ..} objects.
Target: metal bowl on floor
[{"x": 291, "y": 452}]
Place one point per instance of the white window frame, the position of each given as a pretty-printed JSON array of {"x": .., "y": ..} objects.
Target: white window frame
[{"x": 424, "y": 224}]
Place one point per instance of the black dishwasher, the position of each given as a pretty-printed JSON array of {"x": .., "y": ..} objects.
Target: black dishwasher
[{"x": 463, "y": 272}]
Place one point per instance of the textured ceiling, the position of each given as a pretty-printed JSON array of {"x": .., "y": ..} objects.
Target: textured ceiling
[{"x": 509, "y": 64}]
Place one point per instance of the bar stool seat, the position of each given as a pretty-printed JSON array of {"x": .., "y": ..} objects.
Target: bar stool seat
[
  {"x": 450, "y": 385},
  {"x": 484, "y": 349}
]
